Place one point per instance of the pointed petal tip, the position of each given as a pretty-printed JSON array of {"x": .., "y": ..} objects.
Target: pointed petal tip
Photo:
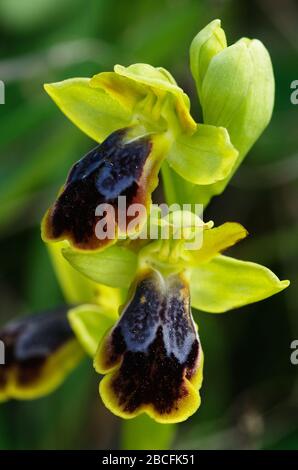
[
  {"x": 241, "y": 283},
  {"x": 216, "y": 22},
  {"x": 284, "y": 284},
  {"x": 209, "y": 224},
  {"x": 50, "y": 88}
]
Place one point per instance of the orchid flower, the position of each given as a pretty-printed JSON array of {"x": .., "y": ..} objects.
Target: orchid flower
[
  {"x": 131, "y": 298},
  {"x": 151, "y": 355},
  {"x": 141, "y": 118}
]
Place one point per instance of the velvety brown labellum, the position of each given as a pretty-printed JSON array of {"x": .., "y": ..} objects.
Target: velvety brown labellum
[
  {"x": 157, "y": 345},
  {"x": 114, "y": 168},
  {"x": 30, "y": 341}
]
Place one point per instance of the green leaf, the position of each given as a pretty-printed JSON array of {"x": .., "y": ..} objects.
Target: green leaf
[
  {"x": 206, "y": 44},
  {"x": 90, "y": 323},
  {"x": 205, "y": 157},
  {"x": 143, "y": 433},
  {"x": 91, "y": 109},
  {"x": 226, "y": 283},
  {"x": 115, "y": 266}
]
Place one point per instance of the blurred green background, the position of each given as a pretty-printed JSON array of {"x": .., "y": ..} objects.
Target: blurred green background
[{"x": 250, "y": 391}]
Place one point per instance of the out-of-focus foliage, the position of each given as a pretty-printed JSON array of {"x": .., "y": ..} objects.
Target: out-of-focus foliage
[{"x": 250, "y": 393}]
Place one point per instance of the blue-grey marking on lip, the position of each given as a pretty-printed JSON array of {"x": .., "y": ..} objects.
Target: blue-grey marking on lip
[
  {"x": 37, "y": 335},
  {"x": 159, "y": 303},
  {"x": 156, "y": 344},
  {"x": 112, "y": 169},
  {"x": 31, "y": 340}
]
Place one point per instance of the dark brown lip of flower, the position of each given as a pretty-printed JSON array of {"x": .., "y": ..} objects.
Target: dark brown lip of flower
[
  {"x": 113, "y": 168},
  {"x": 30, "y": 341},
  {"x": 157, "y": 346}
]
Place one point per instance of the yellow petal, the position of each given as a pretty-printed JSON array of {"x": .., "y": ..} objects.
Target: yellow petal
[
  {"x": 92, "y": 110},
  {"x": 226, "y": 283},
  {"x": 161, "y": 81},
  {"x": 215, "y": 240},
  {"x": 90, "y": 323}
]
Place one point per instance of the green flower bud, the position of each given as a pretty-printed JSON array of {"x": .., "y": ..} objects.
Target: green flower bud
[
  {"x": 206, "y": 44},
  {"x": 236, "y": 89}
]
